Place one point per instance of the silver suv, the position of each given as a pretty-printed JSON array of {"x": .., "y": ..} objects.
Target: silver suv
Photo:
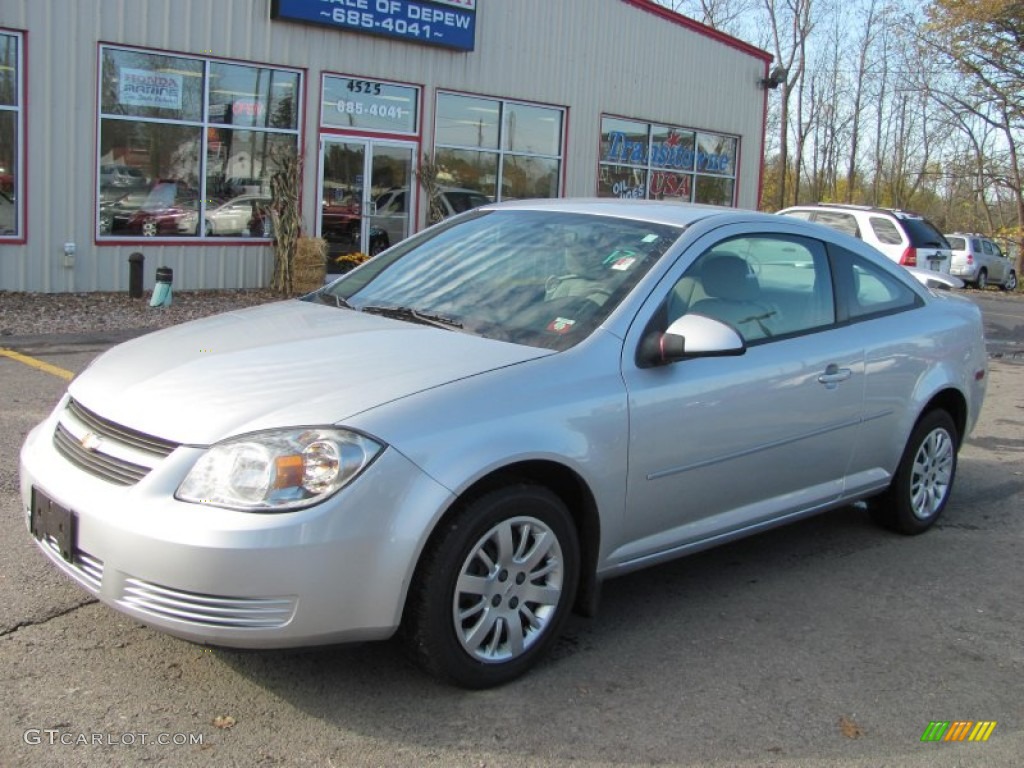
[
  {"x": 905, "y": 237},
  {"x": 979, "y": 261}
]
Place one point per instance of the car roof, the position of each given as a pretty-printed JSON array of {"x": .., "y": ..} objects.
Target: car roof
[
  {"x": 655, "y": 211},
  {"x": 897, "y": 212}
]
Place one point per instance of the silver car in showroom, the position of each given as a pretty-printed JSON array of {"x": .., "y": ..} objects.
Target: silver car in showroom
[{"x": 464, "y": 437}]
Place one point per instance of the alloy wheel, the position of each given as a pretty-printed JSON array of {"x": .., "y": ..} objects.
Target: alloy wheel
[
  {"x": 508, "y": 589},
  {"x": 932, "y": 474}
]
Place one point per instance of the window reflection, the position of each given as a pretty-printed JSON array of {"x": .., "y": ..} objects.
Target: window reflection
[
  {"x": 465, "y": 121},
  {"x": 714, "y": 191},
  {"x": 10, "y": 129},
  {"x": 253, "y": 96},
  {"x": 151, "y": 85},
  {"x": 499, "y": 149},
  {"x": 664, "y": 162},
  {"x": 534, "y": 130},
  {"x": 369, "y": 105},
  {"x": 163, "y": 171}
]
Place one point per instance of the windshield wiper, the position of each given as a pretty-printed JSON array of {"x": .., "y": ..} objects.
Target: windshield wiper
[
  {"x": 326, "y": 298},
  {"x": 413, "y": 315}
]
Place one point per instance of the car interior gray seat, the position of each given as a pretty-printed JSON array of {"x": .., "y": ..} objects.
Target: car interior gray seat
[{"x": 733, "y": 292}]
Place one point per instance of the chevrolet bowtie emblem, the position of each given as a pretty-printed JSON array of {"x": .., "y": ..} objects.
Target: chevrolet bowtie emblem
[{"x": 90, "y": 441}]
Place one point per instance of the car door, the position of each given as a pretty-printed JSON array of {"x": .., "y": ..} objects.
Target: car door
[
  {"x": 992, "y": 261},
  {"x": 719, "y": 445}
]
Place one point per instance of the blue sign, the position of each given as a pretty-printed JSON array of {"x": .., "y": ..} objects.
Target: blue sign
[{"x": 448, "y": 23}]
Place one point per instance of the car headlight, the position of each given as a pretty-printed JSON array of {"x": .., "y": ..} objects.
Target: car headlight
[{"x": 278, "y": 471}]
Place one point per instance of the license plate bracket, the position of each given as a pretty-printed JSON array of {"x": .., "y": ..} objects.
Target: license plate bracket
[
  {"x": 935, "y": 265},
  {"x": 49, "y": 519}
]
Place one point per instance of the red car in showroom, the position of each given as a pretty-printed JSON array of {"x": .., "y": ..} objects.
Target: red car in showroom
[{"x": 158, "y": 212}]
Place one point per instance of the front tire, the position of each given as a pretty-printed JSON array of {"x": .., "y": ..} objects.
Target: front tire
[
  {"x": 1010, "y": 284},
  {"x": 494, "y": 587},
  {"x": 923, "y": 481}
]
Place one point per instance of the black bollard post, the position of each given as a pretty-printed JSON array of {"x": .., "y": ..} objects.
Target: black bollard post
[{"x": 135, "y": 262}]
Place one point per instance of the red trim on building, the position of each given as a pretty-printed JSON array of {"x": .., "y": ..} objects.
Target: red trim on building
[
  {"x": 764, "y": 145},
  {"x": 21, "y": 154},
  {"x": 696, "y": 26}
]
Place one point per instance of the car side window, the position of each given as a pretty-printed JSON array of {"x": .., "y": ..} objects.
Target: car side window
[
  {"x": 885, "y": 230},
  {"x": 866, "y": 290},
  {"x": 987, "y": 247},
  {"x": 975, "y": 245},
  {"x": 842, "y": 222},
  {"x": 764, "y": 286}
]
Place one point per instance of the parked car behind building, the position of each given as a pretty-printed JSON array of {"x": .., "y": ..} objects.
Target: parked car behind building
[
  {"x": 907, "y": 238},
  {"x": 979, "y": 261}
]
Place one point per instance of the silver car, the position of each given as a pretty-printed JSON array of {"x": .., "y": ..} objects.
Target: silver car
[
  {"x": 980, "y": 262},
  {"x": 463, "y": 438}
]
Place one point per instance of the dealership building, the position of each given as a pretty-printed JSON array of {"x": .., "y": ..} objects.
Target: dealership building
[{"x": 156, "y": 126}]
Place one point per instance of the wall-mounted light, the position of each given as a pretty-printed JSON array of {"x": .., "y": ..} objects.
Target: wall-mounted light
[{"x": 775, "y": 79}]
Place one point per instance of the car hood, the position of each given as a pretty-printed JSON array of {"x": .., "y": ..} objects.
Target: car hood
[{"x": 284, "y": 364}]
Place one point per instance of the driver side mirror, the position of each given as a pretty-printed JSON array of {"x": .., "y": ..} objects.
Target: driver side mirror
[{"x": 687, "y": 337}]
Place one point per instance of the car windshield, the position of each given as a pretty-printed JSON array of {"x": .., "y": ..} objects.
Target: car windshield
[
  {"x": 540, "y": 278},
  {"x": 957, "y": 243}
]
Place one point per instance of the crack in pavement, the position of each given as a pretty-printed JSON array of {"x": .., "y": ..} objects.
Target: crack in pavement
[{"x": 45, "y": 619}]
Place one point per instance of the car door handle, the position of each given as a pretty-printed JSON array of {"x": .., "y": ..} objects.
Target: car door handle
[{"x": 834, "y": 375}]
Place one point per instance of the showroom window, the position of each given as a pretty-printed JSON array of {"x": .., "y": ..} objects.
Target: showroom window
[
  {"x": 187, "y": 145},
  {"x": 500, "y": 149},
  {"x": 660, "y": 162},
  {"x": 11, "y": 151}
]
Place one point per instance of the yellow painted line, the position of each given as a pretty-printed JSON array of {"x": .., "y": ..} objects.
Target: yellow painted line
[{"x": 60, "y": 373}]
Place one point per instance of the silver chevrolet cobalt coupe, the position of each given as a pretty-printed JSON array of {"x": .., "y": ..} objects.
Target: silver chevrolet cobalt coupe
[{"x": 461, "y": 439}]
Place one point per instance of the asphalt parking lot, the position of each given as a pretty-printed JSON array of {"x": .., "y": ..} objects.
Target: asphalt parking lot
[{"x": 827, "y": 643}]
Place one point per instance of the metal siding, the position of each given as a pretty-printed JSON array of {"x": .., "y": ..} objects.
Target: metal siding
[{"x": 592, "y": 57}]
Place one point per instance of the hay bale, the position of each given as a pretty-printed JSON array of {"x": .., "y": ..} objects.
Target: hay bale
[{"x": 309, "y": 265}]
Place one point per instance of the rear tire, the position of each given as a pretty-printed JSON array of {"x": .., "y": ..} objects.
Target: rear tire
[
  {"x": 982, "y": 281},
  {"x": 923, "y": 481},
  {"x": 494, "y": 587}
]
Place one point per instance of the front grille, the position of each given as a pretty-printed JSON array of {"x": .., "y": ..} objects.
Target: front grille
[
  {"x": 108, "y": 429},
  {"x": 107, "y": 450},
  {"x": 101, "y": 465},
  {"x": 208, "y": 610}
]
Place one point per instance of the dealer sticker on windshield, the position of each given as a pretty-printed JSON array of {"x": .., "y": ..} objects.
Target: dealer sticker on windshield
[{"x": 561, "y": 325}]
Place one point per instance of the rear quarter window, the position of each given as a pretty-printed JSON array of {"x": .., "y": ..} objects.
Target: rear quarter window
[
  {"x": 885, "y": 230},
  {"x": 842, "y": 222},
  {"x": 865, "y": 290}
]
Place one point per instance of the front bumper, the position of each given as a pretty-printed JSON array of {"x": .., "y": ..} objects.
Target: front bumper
[{"x": 335, "y": 572}]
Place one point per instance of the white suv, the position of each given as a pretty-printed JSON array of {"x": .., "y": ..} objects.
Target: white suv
[
  {"x": 906, "y": 238},
  {"x": 978, "y": 261}
]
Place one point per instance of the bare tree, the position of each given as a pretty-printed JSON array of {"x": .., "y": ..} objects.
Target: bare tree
[
  {"x": 789, "y": 25},
  {"x": 725, "y": 15},
  {"x": 867, "y": 36},
  {"x": 984, "y": 43}
]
